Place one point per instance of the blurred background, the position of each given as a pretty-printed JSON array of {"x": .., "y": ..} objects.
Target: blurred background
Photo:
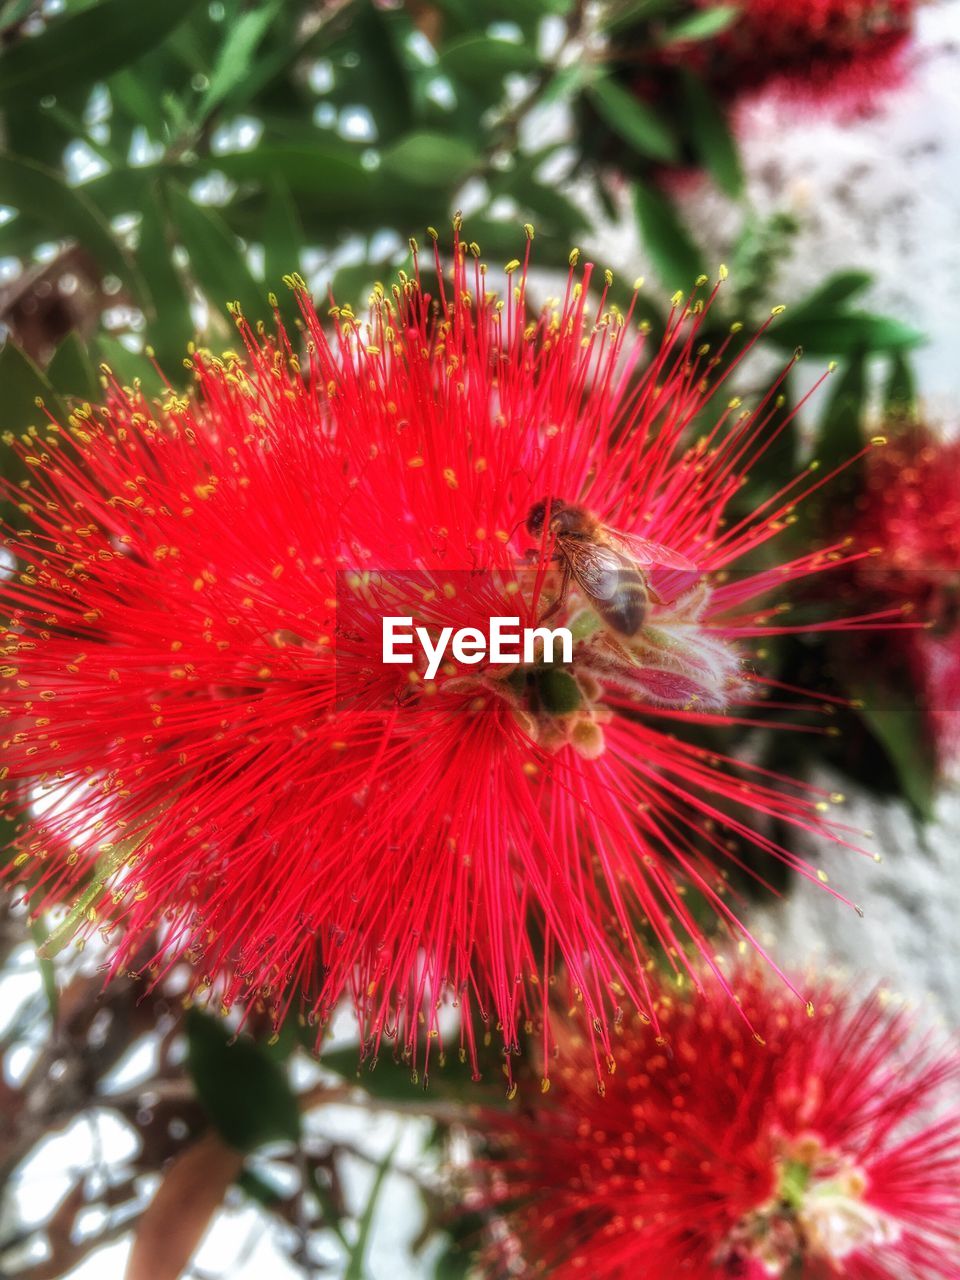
[{"x": 158, "y": 162}]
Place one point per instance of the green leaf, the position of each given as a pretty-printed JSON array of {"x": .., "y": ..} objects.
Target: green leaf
[
  {"x": 841, "y": 431},
  {"x": 236, "y": 56},
  {"x": 430, "y": 159},
  {"x": 837, "y": 289},
  {"x": 217, "y": 260},
  {"x": 711, "y": 135},
  {"x": 241, "y": 1088},
  {"x": 170, "y": 325},
  {"x": 678, "y": 260},
  {"x": 48, "y": 975},
  {"x": 899, "y": 724},
  {"x": 394, "y": 1081},
  {"x": 842, "y": 333},
  {"x": 355, "y": 1270},
  {"x": 632, "y": 120},
  {"x": 134, "y": 366},
  {"x": 72, "y": 372},
  {"x": 22, "y": 383},
  {"x": 900, "y": 392},
  {"x": 702, "y": 26},
  {"x": 42, "y": 195},
  {"x": 85, "y": 46},
  {"x": 282, "y": 235},
  {"x": 480, "y": 58},
  {"x": 329, "y": 181}
]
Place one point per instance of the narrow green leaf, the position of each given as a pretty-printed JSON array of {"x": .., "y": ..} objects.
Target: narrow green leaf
[
  {"x": 21, "y": 383},
  {"x": 236, "y": 56},
  {"x": 244, "y": 1092},
  {"x": 134, "y": 366},
  {"x": 170, "y": 325},
  {"x": 48, "y": 975},
  {"x": 632, "y": 120},
  {"x": 478, "y": 58},
  {"x": 703, "y": 25},
  {"x": 72, "y": 372},
  {"x": 217, "y": 260},
  {"x": 900, "y": 392},
  {"x": 841, "y": 430},
  {"x": 842, "y": 333},
  {"x": 282, "y": 235},
  {"x": 900, "y": 726},
  {"x": 678, "y": 260},
  {"x": 42, "y": 195},
  {"x": 711, "y": 135},
  {"x": 430, "y": 159},
  {"x": 355, "y": 1269},
  {"x": 83, "y": 47},
  {"x": 835, "y": 290}
]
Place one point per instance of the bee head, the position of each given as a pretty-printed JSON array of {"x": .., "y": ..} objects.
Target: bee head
[{"x": 537, "y": 515}]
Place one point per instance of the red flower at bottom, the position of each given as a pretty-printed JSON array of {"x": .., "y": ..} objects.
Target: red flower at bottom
[{"x": 820, "y": 1152}]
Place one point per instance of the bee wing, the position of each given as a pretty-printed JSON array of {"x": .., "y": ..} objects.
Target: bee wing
[
  {"x": 597, "y": 568},
  {"x": 650, "y": 555}
]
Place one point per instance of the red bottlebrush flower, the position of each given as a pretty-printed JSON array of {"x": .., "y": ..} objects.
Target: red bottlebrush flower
[
  {"x": 833, "y": 48},
  {"x": 194, "y": 664},
  {"x": 910, "y": 518},
  {"x": 825, "y": 1151},
  {"x": 838, "y": 51}
]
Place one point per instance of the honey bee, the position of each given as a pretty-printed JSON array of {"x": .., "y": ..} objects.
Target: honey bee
[{"x": 609, "y": 566}]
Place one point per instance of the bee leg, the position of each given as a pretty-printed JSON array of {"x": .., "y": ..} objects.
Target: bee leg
[{"x": 561, "y": 595}]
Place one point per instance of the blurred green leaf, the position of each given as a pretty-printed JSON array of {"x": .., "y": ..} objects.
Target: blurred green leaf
[
  {"x": 632, "y": 120},
  {"x": 22, "y": 384},
  {"x": 711, "y": 135},
  {"x": 702, "y": 26},
  {"x": 430, "y": 159},
  {"x": 841, "y": 431},
  {"x": 72, "y": 372},
  {"x": 169, "y": 323},
  {"x": 842, "y": 333},
  {"x": 395, "y": 1081},
  {"x": 48, "y": 974},
  {"x": 900, "y": 725},
  {"x": 282, "y": 235},
  {"x": 478, "y": 58},
  {"x": 829, "y": 296},
  {"x": 329, "y": 176},
  {"x": 217, "y": 259},
  {"x": 677, "y": 258},
  {"x": 900, "y": 391},
  {"x": 241, "y": 1088},
  {"x": 236, "y": 56},
  {"x": 42, "y": 194},
  {"x": 134, "y": 366},
  {"x": 79, "y": 48},
  {"x": 355, "y": 1267}
]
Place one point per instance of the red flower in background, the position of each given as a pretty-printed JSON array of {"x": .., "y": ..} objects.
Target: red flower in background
[
  {"x": 832, "y": 1150},
  {"x": 910, "y": 518},
  {"x": 817, "y": 49},
  {"x": 232, "y": 776}
]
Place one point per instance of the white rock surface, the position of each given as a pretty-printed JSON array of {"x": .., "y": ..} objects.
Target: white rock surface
[{"x": 907, "y": 939}]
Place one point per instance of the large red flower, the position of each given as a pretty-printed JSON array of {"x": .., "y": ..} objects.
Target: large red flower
[
  {"x": 831, "y": 1149},
  {"x": 229, "y": 772}
]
